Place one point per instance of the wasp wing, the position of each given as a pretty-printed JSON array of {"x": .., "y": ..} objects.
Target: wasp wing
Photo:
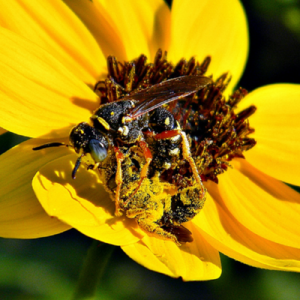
[{"x": 165, "y": 92}]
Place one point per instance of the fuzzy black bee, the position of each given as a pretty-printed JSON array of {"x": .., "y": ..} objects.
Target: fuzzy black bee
[{"x": 134, "y": 140}]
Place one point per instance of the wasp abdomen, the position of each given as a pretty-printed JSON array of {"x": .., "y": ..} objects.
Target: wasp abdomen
[{"x": 161, "y": 120}]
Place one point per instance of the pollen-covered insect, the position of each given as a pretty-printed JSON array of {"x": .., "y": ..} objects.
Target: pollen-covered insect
[
  {"x": 159, "y": 207},
  {"x": 139, "y": 121}
]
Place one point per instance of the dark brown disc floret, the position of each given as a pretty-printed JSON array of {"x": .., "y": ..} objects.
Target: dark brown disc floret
[{"x": 217, "y": 133}]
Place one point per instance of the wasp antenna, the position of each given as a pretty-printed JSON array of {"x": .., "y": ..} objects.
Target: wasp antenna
[
  {"x": 50, "y": 145},
  {"x": 77, "y": 164}
]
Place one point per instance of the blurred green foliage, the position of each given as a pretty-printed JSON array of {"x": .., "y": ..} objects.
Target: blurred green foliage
[
  {"x": 286, "y": 11},
  {"x": 48, "y": 268}
]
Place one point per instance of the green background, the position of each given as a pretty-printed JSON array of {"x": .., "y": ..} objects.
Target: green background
[{"x": 48, "y": 268}]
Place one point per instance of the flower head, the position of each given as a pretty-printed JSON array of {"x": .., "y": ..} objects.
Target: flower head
[{"x": 55, "y": 53}]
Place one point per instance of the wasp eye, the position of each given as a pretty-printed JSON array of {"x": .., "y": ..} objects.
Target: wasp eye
[{"x": 98, "y": 150}]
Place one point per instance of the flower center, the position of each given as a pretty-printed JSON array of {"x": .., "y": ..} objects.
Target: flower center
[{"x": 217, "y": 134}]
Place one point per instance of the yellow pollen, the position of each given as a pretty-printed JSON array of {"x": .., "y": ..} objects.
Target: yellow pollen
[
  {"x": 103, "y": 123},
  {"x": 174, "y": 151},
  {"x": 175, "y": 138}
]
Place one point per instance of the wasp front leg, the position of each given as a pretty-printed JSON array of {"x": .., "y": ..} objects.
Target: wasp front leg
[{"x": 144, "y": 171}]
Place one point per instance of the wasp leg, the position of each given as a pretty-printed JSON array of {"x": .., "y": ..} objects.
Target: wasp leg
[
  {"x": 134, "y": 212},
  {"x": 186, "y": 152},
  {"x": 144, "y": 171},
  {"x": 148, "y": 157},
  {"x": 119, "y": 180},
  {"x": 147, "y": 224}
]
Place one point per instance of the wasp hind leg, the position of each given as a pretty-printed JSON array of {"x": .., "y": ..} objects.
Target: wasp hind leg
[
  {"x": 155, "y": 230},
  {"x": 147, "y": 224},
  {"x": 187, "y": 155},
  {"x": 186, "y": 152}
]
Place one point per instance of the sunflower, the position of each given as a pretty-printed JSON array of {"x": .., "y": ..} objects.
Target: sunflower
[{"x": 53, "y": 52}]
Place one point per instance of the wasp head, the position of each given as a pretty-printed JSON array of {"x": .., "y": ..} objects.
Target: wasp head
[{"x": 86, "y": 139}]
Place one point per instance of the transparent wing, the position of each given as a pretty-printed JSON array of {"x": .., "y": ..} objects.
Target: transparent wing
[{"x": 165, "y": 92}]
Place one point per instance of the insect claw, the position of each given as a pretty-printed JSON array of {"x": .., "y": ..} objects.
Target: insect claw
[{"x": 77, "y": 164}]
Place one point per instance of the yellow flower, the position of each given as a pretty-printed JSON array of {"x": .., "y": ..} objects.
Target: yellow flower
[{"x": 53, "y": 52}]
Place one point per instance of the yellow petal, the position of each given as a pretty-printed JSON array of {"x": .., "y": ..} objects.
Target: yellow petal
[
  {"x": 21, "y": 215},
  {"x": 54, "y": 27},
  {"x": 230, "y": 237},
  {"x": 39, "y": 96},
  {"x": 261, "y": 203},
  {"x": 2, "y": 130},
  {"x": 191, "y": 261},
  {"x": 142, "y": 25},
  {"x": 211, "y": 27},
  {"x": 100, "y": 24},
  {"x": 82, "y": 203},
  {"x": 277, "y": 131}
]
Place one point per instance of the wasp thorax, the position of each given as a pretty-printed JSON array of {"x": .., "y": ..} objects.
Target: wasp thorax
[{"x": 109, "y": 118}]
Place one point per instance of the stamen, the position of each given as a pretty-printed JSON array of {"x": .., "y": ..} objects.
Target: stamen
[{"x": 217, "y": 134}]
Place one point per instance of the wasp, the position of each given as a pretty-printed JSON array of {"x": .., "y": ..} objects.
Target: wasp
[{"x": 132, "y": 142}]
